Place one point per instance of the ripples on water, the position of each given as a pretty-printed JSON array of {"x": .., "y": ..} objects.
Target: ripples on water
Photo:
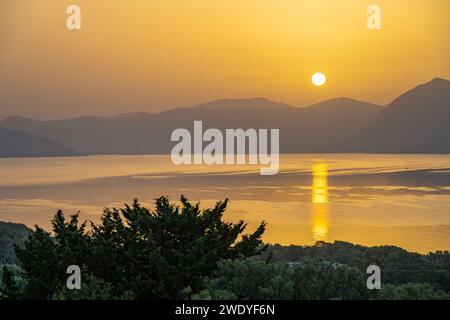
[{"x": 400, "y": 200}]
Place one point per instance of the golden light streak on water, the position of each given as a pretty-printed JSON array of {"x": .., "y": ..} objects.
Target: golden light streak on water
[{"x": 319, "y": 198}]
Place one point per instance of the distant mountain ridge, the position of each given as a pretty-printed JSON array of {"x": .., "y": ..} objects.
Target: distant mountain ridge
[
  {"x": 418, "y": 121},
  {"x": 20, "y": 144},
  {"x": 253, "y": 103},
  {"x": 302, "y": 129},
  {"x": 415, "y": 122}
]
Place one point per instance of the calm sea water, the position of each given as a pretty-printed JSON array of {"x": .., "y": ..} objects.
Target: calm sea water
[{"x": 401, "y": 200}]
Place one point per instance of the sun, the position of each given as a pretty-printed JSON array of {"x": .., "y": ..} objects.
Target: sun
[{"x": 318, "y": 79}]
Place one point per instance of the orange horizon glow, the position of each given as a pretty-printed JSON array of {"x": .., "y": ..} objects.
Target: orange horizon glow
[{"x": 154, "y": 55}]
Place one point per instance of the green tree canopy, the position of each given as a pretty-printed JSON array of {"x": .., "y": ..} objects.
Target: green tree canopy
[
  {"x": 256, "y": 279},
  {"x": 149, "y": 254}
]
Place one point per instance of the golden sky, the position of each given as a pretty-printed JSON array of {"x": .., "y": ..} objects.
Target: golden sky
[{"x": 148, "y": 55}]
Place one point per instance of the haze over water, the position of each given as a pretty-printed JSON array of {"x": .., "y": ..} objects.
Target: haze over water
[{"x": 401, "y": 200}]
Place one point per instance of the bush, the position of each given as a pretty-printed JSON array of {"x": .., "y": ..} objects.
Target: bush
[
  {"x": 256, "y": 279},
  {"x": 411, "y": 291}
]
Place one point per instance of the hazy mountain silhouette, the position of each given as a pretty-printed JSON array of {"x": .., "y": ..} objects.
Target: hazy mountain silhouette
[
  {"x": 416, "y": 122},
  {"x": 20, "y": 144},
  {"x": 232, "y": 104},
  {"x": 301, "y": 129}
]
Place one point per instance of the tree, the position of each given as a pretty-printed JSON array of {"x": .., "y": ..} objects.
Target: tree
[
  {"x": 398, "y": 265},
  {"x": 38, "y": 259},
  {"x": 411, "y": 291},
  {"x": 249, "y": 278},
  {"x": 8, "y": 288},
  {"x": 322, "y": 279},
  {"x": 93, "y": 288},
  {"x": 152, "y": 254},
  {"x": 256, "y": 279}
]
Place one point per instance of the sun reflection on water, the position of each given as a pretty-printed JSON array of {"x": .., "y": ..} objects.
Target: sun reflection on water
[{"x": 319, "y": 198}]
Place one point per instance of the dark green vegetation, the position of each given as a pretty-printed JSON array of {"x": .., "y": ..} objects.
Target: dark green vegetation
[
  {"x": 398, "y": 265},
  {"x": 10, "y": 234},
  {"x": 184, "y": 252},
  {"x": 135, "y": 252}
]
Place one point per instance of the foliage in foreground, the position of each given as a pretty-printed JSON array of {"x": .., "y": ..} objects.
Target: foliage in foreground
[
  {"x": 135, "y": 252},
  {"x": 398, "y": 266},
  {"x": 187, "y": 253},
  {"x": 311, "y": 279},
  {"x": 256, "y": 279}
]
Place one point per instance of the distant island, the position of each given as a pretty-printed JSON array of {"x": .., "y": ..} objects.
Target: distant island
[
  {"x": 15, "y": 143},
  {"x": 416, "y": 122}
]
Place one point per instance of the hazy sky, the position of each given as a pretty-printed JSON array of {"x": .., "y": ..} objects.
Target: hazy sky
[{"x": 148, "y": 55}]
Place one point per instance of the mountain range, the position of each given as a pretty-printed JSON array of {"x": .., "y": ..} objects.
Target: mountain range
[{"x": 416, "y": 122}]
